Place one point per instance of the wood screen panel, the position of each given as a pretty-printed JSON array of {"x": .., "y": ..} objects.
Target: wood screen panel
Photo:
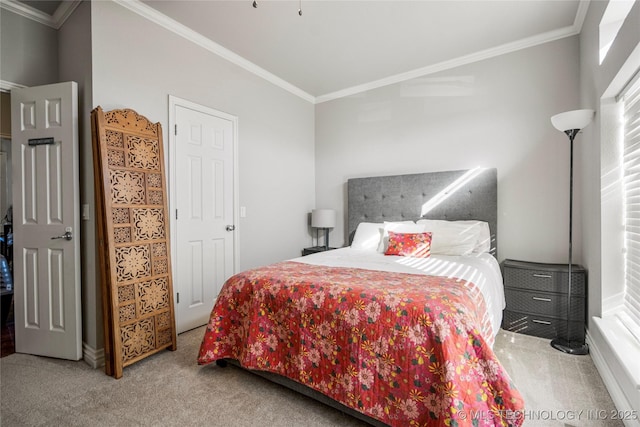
[{"x": 133, "y": 234}]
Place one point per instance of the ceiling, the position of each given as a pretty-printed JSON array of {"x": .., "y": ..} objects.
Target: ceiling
[{"x": 337, "y": 48}]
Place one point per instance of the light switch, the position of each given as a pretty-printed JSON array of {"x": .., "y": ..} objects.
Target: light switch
[
  {"x": 85, "y": 212},
  {"x": 243, "y": 211}
]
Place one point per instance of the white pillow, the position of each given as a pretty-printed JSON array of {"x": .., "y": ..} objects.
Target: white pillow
[
  {"x": 457, "y": 237},
  {"x": 367, "y": 236},
  {"x": 398, "y": 227},
  {"x": 484, "y": 238}
]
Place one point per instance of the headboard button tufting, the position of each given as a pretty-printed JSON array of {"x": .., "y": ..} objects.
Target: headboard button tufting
[{"x": 412, "y": 191}]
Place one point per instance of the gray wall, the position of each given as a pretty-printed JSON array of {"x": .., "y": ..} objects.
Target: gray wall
[
  {"x": 597, "y": 162},
  {"x": 28, "y": 56},
  {"x": 493, "y": 113},
  {"x": 75, "y": 65},
  {"x": 28, "y": 51}
]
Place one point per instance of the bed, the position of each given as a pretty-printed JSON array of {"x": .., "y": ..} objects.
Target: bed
[{"x": 396, "y": 329}]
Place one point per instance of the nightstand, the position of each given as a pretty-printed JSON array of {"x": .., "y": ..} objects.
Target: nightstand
[
  {"x": 536, "y": 296},
  {"x": 315, "y": 250}
]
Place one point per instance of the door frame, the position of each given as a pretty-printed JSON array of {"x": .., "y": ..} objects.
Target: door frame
[{"x": 174, "y": 102}]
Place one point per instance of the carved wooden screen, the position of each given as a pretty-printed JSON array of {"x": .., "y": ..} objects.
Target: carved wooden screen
[{"x": 133, "y": 233}]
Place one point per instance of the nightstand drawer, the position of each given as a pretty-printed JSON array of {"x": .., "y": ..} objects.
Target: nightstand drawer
[
  {"x": 544, "y": 304},
  {"x": 544, "y": 280},
  {"x": 541, "y": 326}
]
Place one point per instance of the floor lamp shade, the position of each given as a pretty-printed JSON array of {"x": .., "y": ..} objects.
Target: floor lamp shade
[
  {"x": 570, "y": 123},
  {"x": 576, "y": 119},
  {"x": 324, "y": 218}
]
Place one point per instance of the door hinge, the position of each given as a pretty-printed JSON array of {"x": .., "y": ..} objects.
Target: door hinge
[
  {"x": 175, "y": 129},
  {"x": 176, "y": 213},
  {"x": 178, "y": 298}
]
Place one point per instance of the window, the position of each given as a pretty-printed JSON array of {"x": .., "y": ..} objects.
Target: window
[{"x": 630, "y": 98}]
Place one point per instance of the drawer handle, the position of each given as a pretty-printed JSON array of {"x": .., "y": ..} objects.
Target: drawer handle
[
  {"x": 543, "y": 276},
  {"x": 542, "y": 322},
  {"x": 541, "y": 299}
]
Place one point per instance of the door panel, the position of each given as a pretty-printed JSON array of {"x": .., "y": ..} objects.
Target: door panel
[
  {"x": 196, "y": 296},
  {"x": 46, "y": 204},
  {"x": 204, "y": 198}
]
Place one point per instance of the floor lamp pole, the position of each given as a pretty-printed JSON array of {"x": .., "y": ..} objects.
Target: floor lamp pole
[{"x": 561, "y": 344}]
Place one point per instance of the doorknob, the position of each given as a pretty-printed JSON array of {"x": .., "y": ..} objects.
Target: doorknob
[
  {"x": 66, "y": 236},
  {"x": 231, "y": 227}
]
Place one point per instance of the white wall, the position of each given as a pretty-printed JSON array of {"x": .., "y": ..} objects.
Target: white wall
[
  {"x": 493, "y": 113},
  {"x": 138, "y": 64}
]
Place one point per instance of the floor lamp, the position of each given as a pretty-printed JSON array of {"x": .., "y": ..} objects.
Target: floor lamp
[{"x": 571, "y": 122}]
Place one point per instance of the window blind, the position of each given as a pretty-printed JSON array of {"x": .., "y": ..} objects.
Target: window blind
[{"x": 631, "y": 183}]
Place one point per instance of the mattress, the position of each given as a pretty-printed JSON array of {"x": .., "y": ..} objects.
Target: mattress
[{"x": 481, "y": 269}]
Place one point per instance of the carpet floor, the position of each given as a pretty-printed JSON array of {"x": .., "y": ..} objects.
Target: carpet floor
[{"x": 170, "y": 389}]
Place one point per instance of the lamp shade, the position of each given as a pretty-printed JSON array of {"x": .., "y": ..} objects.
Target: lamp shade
[
  {"x": 323, "y": 218},
  {"x": 576, "y": 119}
]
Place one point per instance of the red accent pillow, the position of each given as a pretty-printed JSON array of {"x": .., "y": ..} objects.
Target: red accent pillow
[{"x": 417, "y": 245}]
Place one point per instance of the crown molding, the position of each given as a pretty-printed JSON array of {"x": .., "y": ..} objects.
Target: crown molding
[
  {"x": 572, "y": 30},
  {"x": 153, "y": 15},
  {"x": 174, "y": 26},
  {"x": 457, "y": 62},
  {"x": 67, "y": 7},
  {"x": 64, "y": 11},
  {"x": 27, "y": 12},
  {"x": 581, "y": 14},
  {"x": 56, "y": 21}
]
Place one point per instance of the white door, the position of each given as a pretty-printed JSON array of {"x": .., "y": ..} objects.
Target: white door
[
  {"x": 203, "y": 203},
  {"x": 44, "y": 152}
]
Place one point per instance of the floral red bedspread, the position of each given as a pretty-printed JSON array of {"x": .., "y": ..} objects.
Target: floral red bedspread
[{"x": 405, "y": 349}]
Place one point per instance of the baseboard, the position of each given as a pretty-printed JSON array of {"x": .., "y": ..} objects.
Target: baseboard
[
  {"x": 598, "y": 348},
  {"x": 93, "y": 357}
]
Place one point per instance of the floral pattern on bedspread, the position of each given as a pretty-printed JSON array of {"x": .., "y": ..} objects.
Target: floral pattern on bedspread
[{"x": 405, "y": 349}]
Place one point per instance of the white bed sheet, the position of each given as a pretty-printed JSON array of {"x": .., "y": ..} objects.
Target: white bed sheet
[{"x": 481, "y": 269}]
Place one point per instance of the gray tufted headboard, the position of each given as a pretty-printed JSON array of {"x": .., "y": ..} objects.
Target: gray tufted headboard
[{"x": 450, "y": 195}]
